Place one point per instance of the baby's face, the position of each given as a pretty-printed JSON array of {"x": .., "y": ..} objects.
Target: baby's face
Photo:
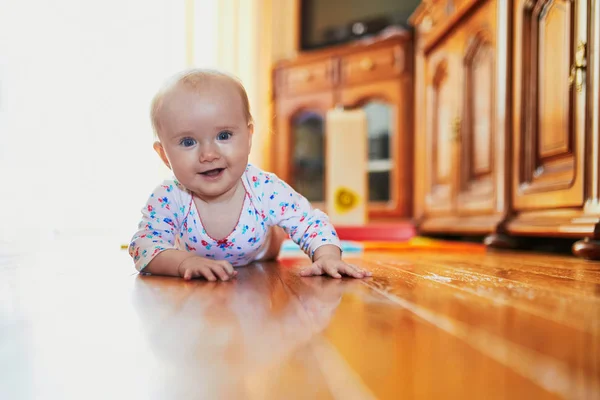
[{"x": 205, "y": 138}]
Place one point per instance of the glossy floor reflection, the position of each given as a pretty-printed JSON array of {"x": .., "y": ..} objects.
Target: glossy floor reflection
[{"x": 427, "y": 325}]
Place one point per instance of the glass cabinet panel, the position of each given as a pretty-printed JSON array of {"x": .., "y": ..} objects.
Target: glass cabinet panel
[
  {"x": 380, "y": 128},
  {"x": 308, "y": 134}
]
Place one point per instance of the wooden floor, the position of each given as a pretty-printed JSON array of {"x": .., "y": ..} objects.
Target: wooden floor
[{"x": 428, "y": 325}]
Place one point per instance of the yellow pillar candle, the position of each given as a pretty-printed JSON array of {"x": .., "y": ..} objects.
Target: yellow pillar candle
[{"x": 346, "y": 166}]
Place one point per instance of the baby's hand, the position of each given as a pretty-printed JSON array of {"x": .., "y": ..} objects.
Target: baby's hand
[
  {"x": 197, "y": 267},
  {"x": 334, "y": 267}
]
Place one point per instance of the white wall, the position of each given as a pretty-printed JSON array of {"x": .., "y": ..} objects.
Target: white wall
[
  {"x": 235, "y": 36},
  {"x": 76, "y": 80}
]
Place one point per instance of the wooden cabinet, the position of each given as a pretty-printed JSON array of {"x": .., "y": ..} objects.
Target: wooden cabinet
[
  {"x": 300, "y": 140},
  {"x": 441, "y": 124},
  {"x": 389, "y": 170},
  {"x": 507, "y": 111},
  {"x": 555, "y": 184},
  {"x": 549, "y": 112},
  {"x": 555, "y": 179},
  {"x": 461, "y": 137},
  {"x": 374, "y": 75},
  {"x": 309, "y": 78},
  {"x": 363, "y": 67}
]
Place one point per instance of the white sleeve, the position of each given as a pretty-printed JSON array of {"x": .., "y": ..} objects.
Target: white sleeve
[
  {"x": 160, "y": 222},
  {"x": 308, "y": 227}
]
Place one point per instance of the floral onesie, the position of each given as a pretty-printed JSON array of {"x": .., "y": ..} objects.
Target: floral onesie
[{"x": 170, "y": 220}]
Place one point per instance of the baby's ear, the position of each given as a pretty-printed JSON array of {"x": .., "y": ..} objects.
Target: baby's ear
[
  {"x": 158, "y": 147},
  {"x": 251, "y": 133}
]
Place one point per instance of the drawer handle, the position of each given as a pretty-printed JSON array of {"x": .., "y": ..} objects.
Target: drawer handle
[
  {"x": 303, "y": 75},
  {"x": 578, "y": 67},
  {"x": 366, "y": 64},
  {"x": 455, "y": 126}
]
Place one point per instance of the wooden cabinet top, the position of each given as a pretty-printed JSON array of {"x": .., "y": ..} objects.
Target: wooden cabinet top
[
  {"x": 352, "y": 64},
  {"x": 434, "y": 19},
  {"x": 381, "y": 41}
]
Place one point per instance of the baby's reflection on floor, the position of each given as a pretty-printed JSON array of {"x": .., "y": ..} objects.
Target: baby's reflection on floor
[{"x": 210, "y": 336}]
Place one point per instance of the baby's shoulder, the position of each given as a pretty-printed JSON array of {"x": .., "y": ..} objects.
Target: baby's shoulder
[
  {"x": 257, "y": 177},
  {"x": 252, "y": 170},
  {"x": 171, "y": 190}
]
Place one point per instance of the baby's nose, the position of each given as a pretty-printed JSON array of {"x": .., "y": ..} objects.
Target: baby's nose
[{"x": 208, "y": 153}]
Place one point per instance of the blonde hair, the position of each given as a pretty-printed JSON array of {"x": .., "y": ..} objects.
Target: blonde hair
[{"x": 195, "y": 79}]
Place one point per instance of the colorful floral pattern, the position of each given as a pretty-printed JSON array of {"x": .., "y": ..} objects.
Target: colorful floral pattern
[{"x": 170, "y": 221}]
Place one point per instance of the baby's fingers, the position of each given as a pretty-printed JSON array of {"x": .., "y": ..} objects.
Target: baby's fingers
[
  {"x": 228, "y": 268},
  {"x": 332, "y": 270},
  {"x": 220, "y": 271},
  {"x": 190, "y": 273},
  {"x": 314, "y": 269},
  {"x": 206, "y": 273},
  {"x": 187, "y": 274},
  {"x": 354, "y": 271}
]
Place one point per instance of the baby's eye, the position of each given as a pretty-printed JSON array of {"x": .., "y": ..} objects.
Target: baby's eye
[
  {"x": 224, "y": 135},
  {"x": 187, "y": 142}
]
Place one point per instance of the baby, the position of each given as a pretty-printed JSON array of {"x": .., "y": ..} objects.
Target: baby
[{"x": 220, "y": 211}]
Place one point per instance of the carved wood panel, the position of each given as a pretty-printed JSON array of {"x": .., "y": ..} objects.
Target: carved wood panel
[
  {"x": 441, "y": 101},
  {"x": 478, "y": 128},
  {"x": 549, "y": 111}
]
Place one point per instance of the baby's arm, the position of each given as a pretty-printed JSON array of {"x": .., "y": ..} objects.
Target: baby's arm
[
  {"x": 153, "y": 245},
  {"x": 327, "y": 259},
  {"x": 311, "y": 230},
  {"x": 187, "y": 266}
]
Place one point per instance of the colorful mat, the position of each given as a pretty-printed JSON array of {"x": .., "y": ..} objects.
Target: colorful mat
[{"x": 416, "y": 243}]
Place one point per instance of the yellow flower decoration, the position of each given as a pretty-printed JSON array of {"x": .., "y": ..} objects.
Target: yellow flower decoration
[{"x": 345, "y": 200}]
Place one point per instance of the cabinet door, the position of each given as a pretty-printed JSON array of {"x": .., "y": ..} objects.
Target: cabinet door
[
  {"x": 299, "y": 158},
  {"x": 442, "y": 123},
  {"x": 389, "y": 145},
  {"x": 476, "y": 159},
  {"x": 549, "y": 108}
]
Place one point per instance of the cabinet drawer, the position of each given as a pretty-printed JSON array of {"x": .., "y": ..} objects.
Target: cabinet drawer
[
  {"x": 373, "y": 65},
  {"x": 308, "y": 78}
]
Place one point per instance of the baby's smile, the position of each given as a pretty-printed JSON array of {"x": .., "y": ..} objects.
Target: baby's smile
[{"x": 212, "y": 173}]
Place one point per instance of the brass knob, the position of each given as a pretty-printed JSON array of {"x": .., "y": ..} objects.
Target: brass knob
[
  {"x": 455, "y": 129},
  {"x": 366, "y": 64},
  {"x": 303, "y": 75},
  {"x": 576, "y": 75}
]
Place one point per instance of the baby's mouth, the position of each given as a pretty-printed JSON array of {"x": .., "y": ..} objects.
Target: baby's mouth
[{"x": 212, "y": 172}]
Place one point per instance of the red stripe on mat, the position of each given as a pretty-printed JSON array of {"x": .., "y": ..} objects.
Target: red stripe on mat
[{"x": 397, "y": 232}]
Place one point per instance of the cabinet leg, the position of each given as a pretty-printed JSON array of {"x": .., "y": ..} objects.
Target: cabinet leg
[
  {"x": 498, "y": 240},
  {"x": 587, "y": 248}
]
